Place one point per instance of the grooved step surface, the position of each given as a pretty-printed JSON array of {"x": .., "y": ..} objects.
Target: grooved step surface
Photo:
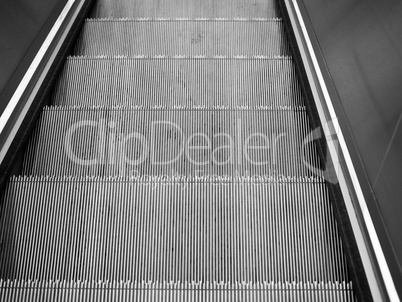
[
  {"x": 185, "y": 9},
  {"x": 168, "y": 142},
  {"x": 175, "y": 163},
  {"x": 188, "y": 83},
  {"x": 131, "y": 291},
  {"x": 60, "y": 229},
  {"x": 207, "y": 38}
]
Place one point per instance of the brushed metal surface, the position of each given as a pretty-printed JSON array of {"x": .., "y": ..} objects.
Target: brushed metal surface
[
  {"x": 360, "y": 42},
  {"x": 192, "y": 231},
  {"x": 185, "y": 9},
  {"x": 190, "y": 83},
  {"x": 182, "y": 37},
  {"x": 171, "y": 291},
  {"x": 268, "y": 233}
]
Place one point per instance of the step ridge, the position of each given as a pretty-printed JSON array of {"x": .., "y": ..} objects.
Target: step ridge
[
  {"x": 179, "y": 57},
  {"x": 175, "y": 108},
  {"x": 288, "y": 285},
  {"x": 182, "y": 38},
  {"x": 183, "y": 19},
  {"x": 186, "y": 9},
  {"x": 128, "y": 291},
  {"x": 241, "y": 179}
]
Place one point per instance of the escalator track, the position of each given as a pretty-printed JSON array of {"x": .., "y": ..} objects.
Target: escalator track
[{"x": 170, "y": 165}]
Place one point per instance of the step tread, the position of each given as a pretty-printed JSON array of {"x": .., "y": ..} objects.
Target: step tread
[
  {"x": 118, "y": 142},
  {"x": 133, "y": 37},
  {"x": 156, "y": 108},
  {"x": 110, "y": 19},
  {"x": 178, "y": 82},
  {"x": 185, "y": 8},
  {"x": 237, "y": 232}
]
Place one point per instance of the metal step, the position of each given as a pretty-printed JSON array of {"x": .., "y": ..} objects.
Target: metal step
[
  {"x": 197, "y": 292},
  {"x": 122, "y": 229},
  {"x": 185, "y": 9},
  {"x": 198, "y": 82},
  {"x": 132, "y": 37},
  {"x": 173, "y": 164},
  {"x": 134, "y": 142}
]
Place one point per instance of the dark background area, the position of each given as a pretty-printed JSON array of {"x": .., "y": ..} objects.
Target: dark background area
[
  {"x": 24, "y": 25},
  {"x": 359, "y": 45}
]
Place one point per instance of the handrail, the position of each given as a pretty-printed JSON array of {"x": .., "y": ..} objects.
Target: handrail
[{"x": 375, "y": 265}]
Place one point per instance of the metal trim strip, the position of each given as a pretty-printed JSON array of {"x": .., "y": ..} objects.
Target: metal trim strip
[
  {"x": 328, "y": 116},
  {"x": 8, "y": 112}
]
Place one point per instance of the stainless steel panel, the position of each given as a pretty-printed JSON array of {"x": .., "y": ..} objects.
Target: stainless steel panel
[{"x": 361, "y": 47}]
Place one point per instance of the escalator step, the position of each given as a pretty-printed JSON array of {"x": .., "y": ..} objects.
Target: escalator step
[
  {"x": 122, "y": 229},
  {"x": 185, "y": 9},
  {"x": 231, "y": 82},
  {"x": 182, "y": 37},
  {"x": 197, "y": 292},
  {"x": 174, "y": 163},
  {"x": 116, "y": 142}
]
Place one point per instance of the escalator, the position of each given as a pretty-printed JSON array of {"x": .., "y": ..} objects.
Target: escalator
[{"x": 171, "y": 165}]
